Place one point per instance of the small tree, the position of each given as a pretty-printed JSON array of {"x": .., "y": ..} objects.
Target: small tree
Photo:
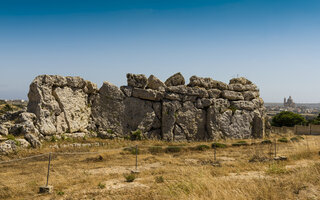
[{"x": 287, "y": 118}]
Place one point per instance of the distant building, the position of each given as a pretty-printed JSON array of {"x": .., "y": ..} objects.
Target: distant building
[{"x": 289, "y": 103}]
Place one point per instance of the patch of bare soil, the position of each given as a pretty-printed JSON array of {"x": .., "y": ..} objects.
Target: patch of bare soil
[
  {"x": 301, "y": 163},
  {"x": 121, "y": 169}
]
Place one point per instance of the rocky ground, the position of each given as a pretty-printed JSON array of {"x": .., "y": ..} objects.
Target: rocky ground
[{"x": 244, "y": 172}]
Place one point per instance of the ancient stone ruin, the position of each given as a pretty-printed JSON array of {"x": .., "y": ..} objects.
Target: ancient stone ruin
[{"x": 204, "y": 109}]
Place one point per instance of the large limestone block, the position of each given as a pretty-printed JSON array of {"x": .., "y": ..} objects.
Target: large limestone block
[
  {"x": 243, "y": 105},
  {"x": 137, "y": 80},
  {"x": 139, "y": 114},
  {"x": 191, "y": 121},
  {"x": 229, "y": 124},
  {"x": 147, "y": 94},
  {"x": 196, "y": 81},
  {"x": 250, "y": 95},
  {"x": 240, "y": 80},
  {"x": 237, "y": 87},
  {"x": 189, "y": 91},
  {"x": 74, "y": 104},
  {"x": 214, "y": 93},
  {"x": 108, "y": 108},
  {"x": 155, "y": 83},
  {"x": 169, "y": 109},
  {"x": 207, "y": 83},
  {"x": 60, "y": 103},
  {"x": 175, "y": 80},
  {"x": 232, "y": 95},
  {"x": 258, "y": 125}
]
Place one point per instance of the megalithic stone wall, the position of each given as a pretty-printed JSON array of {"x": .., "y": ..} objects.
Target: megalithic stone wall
[{"x": 202, "y": 110}]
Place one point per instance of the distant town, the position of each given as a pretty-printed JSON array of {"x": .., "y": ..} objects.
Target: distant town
[{"x": 308, "y": 110}]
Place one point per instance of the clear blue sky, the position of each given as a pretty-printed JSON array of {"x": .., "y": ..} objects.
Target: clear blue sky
[{"x": 274, "y": 43}]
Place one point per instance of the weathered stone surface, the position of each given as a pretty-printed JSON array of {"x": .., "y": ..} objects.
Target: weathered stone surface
[
  {"x": 237, "y": 87},
  {"x": 240, "y": 80},
  {"x": 232, "y": 96},
  {"x": 7, "y": 147},
  {"x": 33, "y": 140},
  {"x": 169, "y": 109},
  {"x": 147, "y": 94},
  {"x": 205, "y": 109},
  {"x": 108, "y": 108},
  {"x": 138, "y": 114},
  {"x": 3, "y": 130},
  {"x": 229, "y": 124},
  {"x": 192, "y": 121},
  {"x": 60, "y": 103},
  {"x": 189, "y": 91},
  {"x": 23, "y": 143},
  {"x": 137, "y": 80},
  {"x": 206, "y": 83},
  {"x": 203, "y": 103},
  {"x": 175, "y": 80},
  {"x": 155, "y": 83},
  {"x": 243, "y": 105},
  {"x": 251, "y": 87},
  {"x": 127, "y": 90},
  {"x": 214, "y": 93},
  {"x": 250, "y": 95},
  {"x": 172, "y": 96}
]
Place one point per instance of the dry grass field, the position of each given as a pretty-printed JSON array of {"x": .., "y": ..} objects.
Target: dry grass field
[{"x": 186, "y": 172}]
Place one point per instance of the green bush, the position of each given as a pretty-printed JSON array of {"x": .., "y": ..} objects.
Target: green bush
[
  {"x": 132, "y": 150},
  {"x": 136, "y": 135},
  {"x": 130, "y": 177},
  {"x": 294, "y": 139},
  {"x": 266, "y": 142},
  {"x": 287, "y": 118},
  {"x": 60, "y": 193},
  {"x": 218, "y": 145},
  {"x": 240, "y": 143},
  {"x": 284, "y": 140},
  {"x": 159, "y": 179},
  {"x": 173, "y": 149},
  {"x": 101, "y": 185},
  {"x": 54, "y": 139},
  {"x": 201, "y": 147},
  {"x": 155, "y": 150},
  {"x": 11, "y": 137}
]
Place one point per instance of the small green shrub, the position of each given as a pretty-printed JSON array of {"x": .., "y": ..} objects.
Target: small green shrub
[
  {"x": 294, "y": 139},
  {"x": 266, "y": 141},
  {"x": 155, "y": 150},
  {"x": 159, "y": 179},
  {"x": 53, "y": 139},
  {"x": 63, "y": 137},
  {"x": 136, "y": 135},
  {"x": 101, "y": 185},
  {"x": 110, "y": 131},
  {"x": 132, "y": 150},
  {"x": 129, "y": 177},
  {"x": 240, "y": 143},
  {"x": 218, "y": 145},
  {"x": 60, "y": 193},
  {"x": 11, "y": 137},
  {"x": 201, "y": 147},
  {"x": 284, "y": 140},
  {"x": 276, "y": 169},
  {"x": 173, "y": 149}
]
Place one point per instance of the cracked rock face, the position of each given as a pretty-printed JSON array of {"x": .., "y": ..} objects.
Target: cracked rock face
[
  {"x": 202, "y": 110},
  {"x": 61, "y": 104}
]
